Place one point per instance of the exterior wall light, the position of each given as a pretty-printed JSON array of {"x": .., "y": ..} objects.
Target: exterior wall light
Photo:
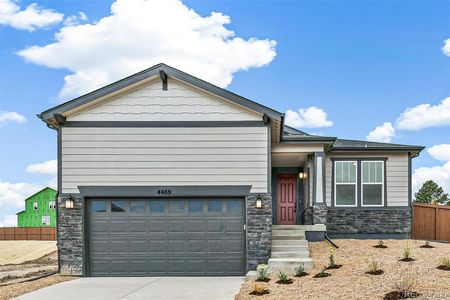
[
  {"x": 301, "y": 175},
  {"x": 69, "y": 202},
  {"x": 259, "y": 203}
]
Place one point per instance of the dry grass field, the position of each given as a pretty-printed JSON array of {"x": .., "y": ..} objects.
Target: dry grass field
[{"x": 351, "y": 281}]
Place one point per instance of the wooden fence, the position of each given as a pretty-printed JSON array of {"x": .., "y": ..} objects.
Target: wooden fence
[
  {"x": 28, "y": 233},
  {"x": 431, "y": 222}
]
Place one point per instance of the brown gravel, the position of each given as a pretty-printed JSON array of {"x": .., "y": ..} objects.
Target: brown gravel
[
  {"x": 14, "y": 290},
  {"x": 351, "y": 282}
]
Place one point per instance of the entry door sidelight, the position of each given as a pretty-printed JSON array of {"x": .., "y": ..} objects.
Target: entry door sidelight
[{"x": 287, "y": 199}]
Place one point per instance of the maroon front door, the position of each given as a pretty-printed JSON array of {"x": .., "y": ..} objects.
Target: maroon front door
[{"x": 286, "y": 199}]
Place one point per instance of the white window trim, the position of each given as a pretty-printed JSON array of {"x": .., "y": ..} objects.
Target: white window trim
[
  {"x": 342, "y": 183},
  {"x": 51, "y": 205},
  {"x": 368, "y": 183}
]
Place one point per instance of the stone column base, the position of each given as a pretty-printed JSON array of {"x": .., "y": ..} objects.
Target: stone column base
[
  {"x": 319, "y": 213},
  {"x": 259, "y": 231}
]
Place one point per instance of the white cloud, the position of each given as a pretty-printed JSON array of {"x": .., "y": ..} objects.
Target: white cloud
[
  {"x": 440, "y": 152},
  {"x": 75, "y": 19},
  {"x": 141, "y": 33},
  {"x": 9, "y": 221},
  {"x": 10, "y": 116},
  {"x": 425, "y": 115},
  {"x": 30, "y": 18},
  {"x": 446, "y": 47},
  {"x": 439, "y": 174},
  {"x": 12, "y": 195},
  {"x": 46, "y": 168},
  {"x": 311, "y": 117},
  {"x": 383, "y": 133}
]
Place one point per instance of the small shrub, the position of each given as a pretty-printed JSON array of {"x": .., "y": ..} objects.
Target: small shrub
[
  {"x": 380, "y": 245},
  {"x": 322, "y": 274},
  {"x": 283, "y": 278},
  {"x": 300, "y": 271},
  {"x": 262, "y": 273},
  {"x": 258, "y": 289},
  {"x": 332, "y": 264},
  {"x": 374, "y": 268},
  {"x": 406, "y": 254},
  {"x": 406, "y": 283},
  {"x": 426, "y": 245},
  {"x": 445, "y": 264}
]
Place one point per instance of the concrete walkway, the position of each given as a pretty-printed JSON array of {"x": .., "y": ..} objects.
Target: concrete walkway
[{"x": 161, "y": 288}]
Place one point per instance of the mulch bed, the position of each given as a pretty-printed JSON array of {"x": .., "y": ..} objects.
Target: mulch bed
[
  {"x": 377, "y": 272},
  {"x": 427, "y": 246},
  {"x": 301, "y": 274},
  {"x": 407, "y": 259},
  {"x": 400, "y": 295},
  {"x": 444, "y": 268},
  {"x": 263, "y": 292},
  {"x": 380, "y": 246},
  {"x": 335, "y": 267},
  {"x": 322, "y": 275},
  {"x": 263, "y": 280},
  {"x": 289, "y": 281}
]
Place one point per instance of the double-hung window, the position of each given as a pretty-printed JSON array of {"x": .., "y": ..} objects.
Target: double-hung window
[
  {"x": 345, "y": 183},
  {"x": 372, "y": 183}
]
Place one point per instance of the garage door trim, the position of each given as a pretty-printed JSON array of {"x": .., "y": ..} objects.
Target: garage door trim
[{"x": 86, "y": 254}]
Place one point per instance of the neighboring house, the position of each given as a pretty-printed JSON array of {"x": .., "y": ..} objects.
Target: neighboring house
[
  {"x": 39, "y": 210},
  {"x": 162, "y": 173}
]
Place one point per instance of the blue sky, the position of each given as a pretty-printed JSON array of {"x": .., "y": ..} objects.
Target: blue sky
[{"x": 360, "y": 64}]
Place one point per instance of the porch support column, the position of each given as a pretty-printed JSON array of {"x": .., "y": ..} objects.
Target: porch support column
[{"x": 319, "y": 205}]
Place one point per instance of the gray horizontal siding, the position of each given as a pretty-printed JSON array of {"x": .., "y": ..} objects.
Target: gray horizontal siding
[
  {"x": 164, "y": 156},
  {"x": 396, "y": 176}
]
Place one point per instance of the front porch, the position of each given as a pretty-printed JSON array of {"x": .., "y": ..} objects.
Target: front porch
[{"x": 298, "y": 186}]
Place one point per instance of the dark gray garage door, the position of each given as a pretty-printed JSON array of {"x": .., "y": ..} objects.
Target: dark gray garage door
[{"x": 150, "y": 237}]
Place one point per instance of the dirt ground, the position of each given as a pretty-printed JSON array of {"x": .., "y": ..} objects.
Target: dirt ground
[
  {"x": 35, "y": 268},
  {"x": 351, "y": 282},
  {"x": 14, "y": 290},
  {"x": 16, "y": 252},
  {"x": 22, "y": 261}
]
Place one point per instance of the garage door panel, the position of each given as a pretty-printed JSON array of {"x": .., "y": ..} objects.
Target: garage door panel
[
  {"x": 137, "y": 226},
  {"x": 177, "y": 247},
  {"x": 234, "y": 226},
  {"x": 196, "y": 226},
  {"x": 186, "y": 237},
  {"x": 196, "y": 247},
  {"x": 99, "y": 226},
  {"x": 177, "y": 226},
  {"x": 119, "y": 227},
  {"x": 157, "y": 226},
  {"x": 215, "y": 226},
  {"x": 158, "y": 246},
  {"x": 139, "y": 247},
  {"x": 98, "y": 246}
]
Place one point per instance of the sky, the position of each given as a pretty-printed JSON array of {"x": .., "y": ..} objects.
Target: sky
[{"x": 366, "y": 70}]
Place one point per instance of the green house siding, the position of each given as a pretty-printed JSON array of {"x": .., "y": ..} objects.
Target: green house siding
[{"x": 32, "y": 217}]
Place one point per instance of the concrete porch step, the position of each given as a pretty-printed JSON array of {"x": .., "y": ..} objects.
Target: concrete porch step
[
  {"x": 287, "y": 232},
  {"x": 297, "y": 254},
  {"x": 289, "y": 248},
  {"x": 288, "y": 237},
  {"x": 288, "y": 227},
  {"x": 288, "y": 265},
  {"x": 299, "y": 243}
]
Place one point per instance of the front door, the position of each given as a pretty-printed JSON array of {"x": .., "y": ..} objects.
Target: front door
[{"x": 286, "y": 199}]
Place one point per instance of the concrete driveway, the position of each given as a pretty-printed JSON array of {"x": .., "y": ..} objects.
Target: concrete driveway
[{"x": 161, "y": 288}]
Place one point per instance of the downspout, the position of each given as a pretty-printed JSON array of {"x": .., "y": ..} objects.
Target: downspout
[
  {"x": 57, "y": 195},
  {"x": 330, "y": 241}
]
